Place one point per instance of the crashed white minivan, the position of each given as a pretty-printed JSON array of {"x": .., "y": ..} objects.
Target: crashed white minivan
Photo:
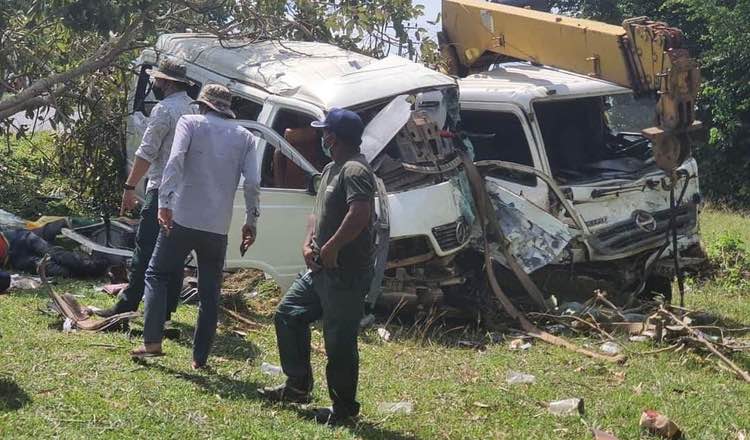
[{"x": 584, "y": 208}]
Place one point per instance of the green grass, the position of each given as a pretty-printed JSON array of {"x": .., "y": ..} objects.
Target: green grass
[{"x": 80, "y": 385}]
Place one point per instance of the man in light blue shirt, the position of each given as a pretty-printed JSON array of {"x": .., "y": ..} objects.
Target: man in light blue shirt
[
  {"x": 170, "y": 84},
  {"x": 209, "y": 155}
]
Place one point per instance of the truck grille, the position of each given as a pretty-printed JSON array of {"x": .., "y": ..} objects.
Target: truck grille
[
  {"x": 451, "y": 236},
  {"x": 627, "y": 235}
]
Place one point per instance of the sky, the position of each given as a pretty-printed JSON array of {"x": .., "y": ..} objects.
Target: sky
[{"x": 431, "y": 10}]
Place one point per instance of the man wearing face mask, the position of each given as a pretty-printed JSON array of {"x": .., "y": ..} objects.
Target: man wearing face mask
[
  {"x": 338, "y": 251},
  {"x": 170, "y": 85}
]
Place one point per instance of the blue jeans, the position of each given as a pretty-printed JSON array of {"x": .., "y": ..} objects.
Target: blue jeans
[
  {"x": 145, "y": 240},
  {"x": 169, "y": 255}
]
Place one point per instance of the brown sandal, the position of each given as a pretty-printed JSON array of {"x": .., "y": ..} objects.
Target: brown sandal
[{"x": 142, "y": 353}]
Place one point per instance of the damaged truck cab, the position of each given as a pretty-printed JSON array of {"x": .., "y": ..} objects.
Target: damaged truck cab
[{"x": 574, "y": 182}]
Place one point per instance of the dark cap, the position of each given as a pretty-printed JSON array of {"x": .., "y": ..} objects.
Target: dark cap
[{"x": 344, "y": 124}]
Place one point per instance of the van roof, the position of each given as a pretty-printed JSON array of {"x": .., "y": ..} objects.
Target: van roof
[
  {"x": 319, "y": 73},
  {"x": 521, "y": 83}
]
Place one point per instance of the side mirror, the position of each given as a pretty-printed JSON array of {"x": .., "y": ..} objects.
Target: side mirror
[{"x": 313, "y": 183}]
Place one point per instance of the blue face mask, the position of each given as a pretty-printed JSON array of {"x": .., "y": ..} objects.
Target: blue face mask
[{"x": 326, "y": 147}]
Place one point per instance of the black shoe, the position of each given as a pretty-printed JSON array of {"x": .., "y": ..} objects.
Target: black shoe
[
  {"x": 284, "y": 393},
  {"x": 327, "y": 416}
]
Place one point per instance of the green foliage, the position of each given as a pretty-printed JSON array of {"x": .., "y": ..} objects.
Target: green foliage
[
  {"x": 731, "y": 260},
  {"x": 31, "y": 185}
]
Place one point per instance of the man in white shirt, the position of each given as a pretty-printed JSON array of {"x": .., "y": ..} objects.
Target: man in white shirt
[
  {"x": 209, "y": 154},
  {"x": 170, "y": 84}
]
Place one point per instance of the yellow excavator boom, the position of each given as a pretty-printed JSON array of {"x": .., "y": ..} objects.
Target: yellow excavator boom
[{"x": 646, "y": 56}]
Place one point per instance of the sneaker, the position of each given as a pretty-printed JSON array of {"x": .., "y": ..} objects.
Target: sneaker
[
  {"x": 327, "y": 416},
  {"x": 284, "y": 393}
]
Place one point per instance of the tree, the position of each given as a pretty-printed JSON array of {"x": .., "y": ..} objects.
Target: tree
[{"x": 74, "y": 56}]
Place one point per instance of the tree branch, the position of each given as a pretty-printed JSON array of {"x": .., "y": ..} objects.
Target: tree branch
[{"x": 102, "y": 58}]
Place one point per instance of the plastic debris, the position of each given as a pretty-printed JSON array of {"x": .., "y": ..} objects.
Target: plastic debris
[
  {"x": 602, "y": 435},
  {"x": 23, "y": 282},
  {"x": 519, "y": 344},
  {"x": 566, "y": 407},
  {"x": 518, "y": 378},
  {"x": 69, "y": 325},
  {"x": 402, "y": 407},
  {"x": 610, "y": 348},
  {"x": 271, "y": 369},
  {"x": 384, "y": 334},
  {"x": 659, "y": 424}
]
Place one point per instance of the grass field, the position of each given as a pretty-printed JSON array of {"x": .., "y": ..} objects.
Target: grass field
[{"x": 54, "y": 384}]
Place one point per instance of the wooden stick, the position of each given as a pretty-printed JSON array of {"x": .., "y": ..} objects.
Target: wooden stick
[
  {"x": 240, "y": 318},
  {"x": 699, "y": 337}
]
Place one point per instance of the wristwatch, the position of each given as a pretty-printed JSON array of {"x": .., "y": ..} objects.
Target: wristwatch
[{"x": 127, "y": 187}]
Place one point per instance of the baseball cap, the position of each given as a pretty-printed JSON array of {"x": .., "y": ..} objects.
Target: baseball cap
[{"x": 343, "y": 123}]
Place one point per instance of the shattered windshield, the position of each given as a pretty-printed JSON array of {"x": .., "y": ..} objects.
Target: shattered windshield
[{"x": 596, "y": 136}]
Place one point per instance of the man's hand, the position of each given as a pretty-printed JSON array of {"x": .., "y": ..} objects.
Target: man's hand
[
  {"x": 248, "y": 238},
  {"x": 128, "y": 201},
  {"x": 309, "y": 253},
  {"x": 165, "y": 219},
  {"x": 329, "y": 256}
]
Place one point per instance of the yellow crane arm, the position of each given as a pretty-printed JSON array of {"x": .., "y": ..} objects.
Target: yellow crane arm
[{"x": 643, "y": 55}]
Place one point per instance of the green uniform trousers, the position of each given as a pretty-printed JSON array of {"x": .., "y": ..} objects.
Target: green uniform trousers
[{"x": 336, "y": 297}]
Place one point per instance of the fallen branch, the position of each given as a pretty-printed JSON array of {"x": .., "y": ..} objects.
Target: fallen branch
[
  {"x": 241, "y": 318},
  {"x": 698, "y": 336}
]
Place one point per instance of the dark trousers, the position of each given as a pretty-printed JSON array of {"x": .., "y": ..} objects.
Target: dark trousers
[
  {"x": 145, "y": 240},
  {"x": 27, "y": 249},
  {"x": 338, "y": 298},
  {"x": 169, "y": 255}
]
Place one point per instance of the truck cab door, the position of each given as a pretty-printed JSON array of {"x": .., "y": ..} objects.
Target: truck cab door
[{"x": 500, "y": 132}]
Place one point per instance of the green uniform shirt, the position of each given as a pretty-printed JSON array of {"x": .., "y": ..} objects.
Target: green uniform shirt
[{"x": 341, "y": 185}]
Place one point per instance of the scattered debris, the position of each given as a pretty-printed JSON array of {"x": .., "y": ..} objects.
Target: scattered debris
[
  {"x": 23, "y": 282},
  {"x": 519, "y": 344},
  {"x": 271, "y": 369},
  {"x": 478, "y": 345},
  {"x": 602, "y": 435},
  {"x": 638, "y": 338},
  {"x": 76, "y": 316},
  {"x": 610, "y": 348},
  {"x": 240, "y": 318},
  {"x": 481, "y": 405},
  {"x": 68, "y": 326},
  {"x": 402, "y": 407},
  {"x": 384, "y": 334},
  {"x": 566, "y": 407},
  {"x": 659, "y": 424},
  {"x": 518, "y": 378}
]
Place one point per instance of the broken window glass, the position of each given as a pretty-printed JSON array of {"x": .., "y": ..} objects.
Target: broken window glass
[{"x": 499, "y": 136}]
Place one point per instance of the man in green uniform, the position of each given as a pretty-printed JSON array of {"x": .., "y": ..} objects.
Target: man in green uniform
[{"x": 338, "y": 251}]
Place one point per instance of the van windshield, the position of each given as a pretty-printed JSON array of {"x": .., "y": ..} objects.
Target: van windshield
[{"x": 597, "y": 136}]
